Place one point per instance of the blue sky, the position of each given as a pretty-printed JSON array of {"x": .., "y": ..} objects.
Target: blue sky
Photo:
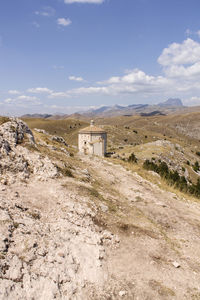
[{"x": 70, "y": 55}]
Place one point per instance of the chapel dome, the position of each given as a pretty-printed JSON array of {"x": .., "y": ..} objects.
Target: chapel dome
[{"x": 92, "y": 129}]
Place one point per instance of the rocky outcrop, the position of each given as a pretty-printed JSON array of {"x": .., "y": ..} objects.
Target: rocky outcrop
[
  {"x": 50, "y": 247},
  {"x": 47, "y": 253},
  {"x": 16, "y": 161},
  {"x": 59, "y": 139},
  {"x": 15, "y": 131}
]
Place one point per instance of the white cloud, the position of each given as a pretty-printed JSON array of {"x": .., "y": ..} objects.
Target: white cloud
[
  {"x": 58, "y": 95},
  {"x": 47, "y": 11},
  {"x": 134, "y": 82},
  {"x": 193, "y": 101},
  {"x": 182, "y": 61},
  {"x": 83, "y": 1},
  {"x": 88, "y": 91},
  {"x": 13, "y": 92},
  {"x": 180, "y": 54},
  {"x": 27, "y": 98},
  {"x": 114, "y": 79},
  {"x": 79, "y": 91},
  {"x": 74, "y": 78},
  {"x": 182, "y": 71},
  {"x": 8, "y": 100},
  {"x": 189, "y": 32},
  {"x": 40, "y": 90},
  {"x": 23, "y": 100},
  {"x": 64, "y": 22}
]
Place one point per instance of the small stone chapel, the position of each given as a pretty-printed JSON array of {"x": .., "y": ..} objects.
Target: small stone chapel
[{"x": 92, "y": 140}]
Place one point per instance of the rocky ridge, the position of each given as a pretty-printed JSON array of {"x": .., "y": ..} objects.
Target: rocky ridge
[
  {"x": 49, "y": 245},
  {"x": 16, "y": 160}
]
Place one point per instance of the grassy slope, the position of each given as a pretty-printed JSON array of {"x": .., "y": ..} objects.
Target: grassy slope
[
  {"x": 3, "y": 120},
  {"x": 68, "y": 128}
]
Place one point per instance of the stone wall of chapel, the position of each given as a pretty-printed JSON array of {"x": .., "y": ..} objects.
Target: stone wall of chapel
[{"x": 98, "y": 148}]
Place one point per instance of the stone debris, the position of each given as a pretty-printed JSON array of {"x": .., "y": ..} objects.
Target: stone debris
[
  {"x": 176, "y": 264},
  {"x": 41, "y": 131},
  {"x": 104, "y": 208},
  {"x": 51, "y": 253},
  {"x": 65, "y": 151},
  {"x": 122, "y": 293},
  {"x": 59, "y": 139}
]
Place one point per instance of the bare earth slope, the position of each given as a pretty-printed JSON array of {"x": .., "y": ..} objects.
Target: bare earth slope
[
  {"x": 105, "y": 233},
  {"x": 158, "y": 229}
]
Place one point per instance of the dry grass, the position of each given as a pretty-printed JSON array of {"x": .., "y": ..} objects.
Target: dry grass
[
  {"x": 161, "y": 289},
  {"x": 68, "y": 128},
  {"x": 3, "y": 120}
]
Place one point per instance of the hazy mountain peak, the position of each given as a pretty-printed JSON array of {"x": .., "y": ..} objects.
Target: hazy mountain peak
[{"x": 172, "y": 102}]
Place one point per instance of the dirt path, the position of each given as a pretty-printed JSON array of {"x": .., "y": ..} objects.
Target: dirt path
[
  {"x": 161, "y": 230},
  {"x": 49, "y": 246}
]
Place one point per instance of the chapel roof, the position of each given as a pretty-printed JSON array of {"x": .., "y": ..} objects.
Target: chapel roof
[{"x": 92, "y": 129}]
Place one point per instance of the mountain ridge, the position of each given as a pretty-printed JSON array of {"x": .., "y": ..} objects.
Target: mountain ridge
[{"x": 163, "y": 108}]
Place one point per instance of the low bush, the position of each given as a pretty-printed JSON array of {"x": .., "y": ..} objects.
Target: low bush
[
  {"x": 65, "y": 171},
  {"x": 196, "y": 166},
  {"x": 132, "y": 158}
]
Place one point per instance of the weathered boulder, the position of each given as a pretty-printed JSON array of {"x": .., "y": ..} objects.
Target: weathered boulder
[
  {"x": 15, "y": 131},
  {"x": 18, "y": 161}
]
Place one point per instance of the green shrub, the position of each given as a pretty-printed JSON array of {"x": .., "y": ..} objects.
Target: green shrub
[
  {"x": 173, "y": 177},
  {"x": 132, "y": 158},
  {"x": 196, "y": 167}
]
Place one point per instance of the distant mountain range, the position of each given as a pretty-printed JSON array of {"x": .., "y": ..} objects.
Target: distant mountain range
[{"x": 163, "y": 108}]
